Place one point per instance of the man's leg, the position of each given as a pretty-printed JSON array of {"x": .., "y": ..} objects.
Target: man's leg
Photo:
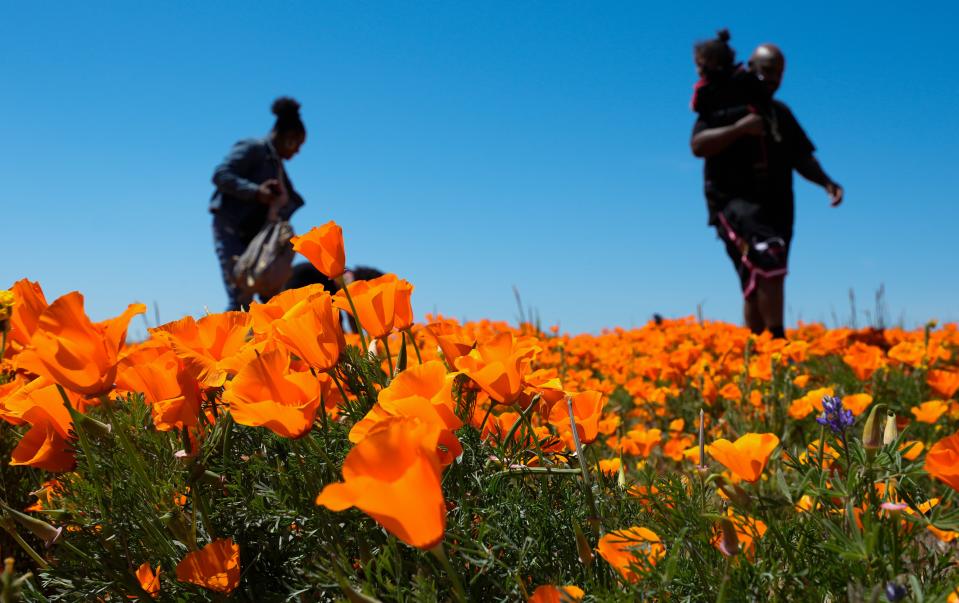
[
  {"x": 751, "y": 314},
  {"x": 769, "y": 302}
]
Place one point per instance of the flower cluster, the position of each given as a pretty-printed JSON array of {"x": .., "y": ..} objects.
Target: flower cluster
[{"x": 834, "y": 416}]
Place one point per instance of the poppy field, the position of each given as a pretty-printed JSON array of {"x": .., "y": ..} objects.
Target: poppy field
[{"x": 271, "y": 455}]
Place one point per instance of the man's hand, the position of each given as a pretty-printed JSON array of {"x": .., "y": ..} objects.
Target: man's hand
[
  {"x": 750, "y": 125},
  {"x": 835, "y": 193},
  {"x": 268, "y": 191}
]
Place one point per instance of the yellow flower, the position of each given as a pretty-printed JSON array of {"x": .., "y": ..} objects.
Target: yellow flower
[{"x": 6, "y": 304}]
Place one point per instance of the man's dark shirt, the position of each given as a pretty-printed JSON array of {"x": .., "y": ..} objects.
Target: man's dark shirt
[
  {"x": 237, "y": 179},
  {"x": 758, "y": 169}
]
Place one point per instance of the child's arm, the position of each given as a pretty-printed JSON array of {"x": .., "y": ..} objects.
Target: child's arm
[{"x": 709, "y": 142}]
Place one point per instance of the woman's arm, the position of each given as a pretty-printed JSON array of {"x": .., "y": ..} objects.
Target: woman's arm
[
  {"x": 713, "y": 141},
  {"x": 227, "y": 176}
]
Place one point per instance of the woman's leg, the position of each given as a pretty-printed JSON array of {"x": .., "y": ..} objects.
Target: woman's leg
[{"x": 229, "y": 246}]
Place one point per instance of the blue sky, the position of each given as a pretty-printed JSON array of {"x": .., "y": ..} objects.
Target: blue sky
[{"x": 471, "y": 147}]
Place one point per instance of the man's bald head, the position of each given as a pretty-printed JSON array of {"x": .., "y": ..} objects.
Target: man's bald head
[{"x": 768, "y": 63}]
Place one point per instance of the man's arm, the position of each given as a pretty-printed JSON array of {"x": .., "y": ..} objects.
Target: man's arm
[
  {"x": 707, "y": 143},
  {"x": 810, "y": 169}
]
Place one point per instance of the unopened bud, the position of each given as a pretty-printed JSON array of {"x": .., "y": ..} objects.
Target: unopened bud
[
  {"x": 872, "y": 432},
  {"x": 39, "y": 528},
  {"x": 583, "y": 550},
  {"x": 728, "y": 538},
  {"x": 91, "y": 425},
  {"x": 401, "y": 357},
  {"x": 890, "y": 433}
]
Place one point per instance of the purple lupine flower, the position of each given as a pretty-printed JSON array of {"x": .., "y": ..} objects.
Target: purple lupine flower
[
  {"x": 895, "y": 592},
  {"x": 834, "y": 416}
]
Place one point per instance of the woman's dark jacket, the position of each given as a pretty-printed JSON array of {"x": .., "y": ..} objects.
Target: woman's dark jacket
[{"x": 237, "y": 179}]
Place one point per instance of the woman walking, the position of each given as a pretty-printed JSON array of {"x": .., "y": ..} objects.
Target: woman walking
[{"x": 252, "y": 187}]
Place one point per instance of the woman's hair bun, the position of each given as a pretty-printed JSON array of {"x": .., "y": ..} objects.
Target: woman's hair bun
[
  {"x": 286, "y": 107},
  {"x": 723, "y": 35}
]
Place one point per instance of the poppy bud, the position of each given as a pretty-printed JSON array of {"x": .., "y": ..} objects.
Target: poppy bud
[
  {"x": 728, "y": 539},
  {"x": 401, "y": 358},
  {"x": 621, "y": 478},
  {"x": 583, "y": 549},
  {"x": 872, "y": 432},
  {"x": 890, "y": 433},
  {"x": 93, "y": 426},
  {"x": 39, "y": 528}
]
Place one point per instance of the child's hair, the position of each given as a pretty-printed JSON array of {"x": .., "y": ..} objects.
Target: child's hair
[
  {"x": 716, "y": 54},
  {"x": 287, "y": 113}
]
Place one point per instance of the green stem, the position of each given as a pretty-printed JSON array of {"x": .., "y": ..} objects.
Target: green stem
[
  {"x": 135, "y": 458},
  {"x": 85, "y": 446},
  {"x": 416, "y": 346},
  {"x": 356, "y": 317},
  {"x": 440, "y": 553},
  {"x": 489, "y": 410},
  {"x": 41, "y": 563},
  {"x": 389, "y": 356},
  {"x": 339, "y": 386},
  {"x": 322, "y": 405}
]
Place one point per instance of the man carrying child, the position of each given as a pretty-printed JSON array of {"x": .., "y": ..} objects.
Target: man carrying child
[{"x": 751, "y": 144}]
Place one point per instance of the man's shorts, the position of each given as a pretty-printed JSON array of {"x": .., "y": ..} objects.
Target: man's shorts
[{"x": 756, "y": 249}]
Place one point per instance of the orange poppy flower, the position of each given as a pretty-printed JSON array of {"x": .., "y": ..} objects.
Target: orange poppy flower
[
  {"x": 149, "y": 581},
  {"x": 451, "y": 339},
  {"x": 610, "y": 466},
  {"x": 548, "y": 593},
  {"x": 675, "y": 447},
  {"x": 28, "y": 304},
  {"x": 323, "y": 246},
  {"x": 215, "y": 567},
  {"x": 47, "y": 444},
  {"x": 498, "y": 366},
  {"x": 382, "y": 304},
  {"x": 587, "y": 411},
  {"x": 911, "y": 449},
  {"x": 78, "y": 354},
  {"x": 8, "y": 412},
  {"x": 929, "y": 412},
  {"x": 213, "y": 347},
  {"x": 263, "y": 316},
  {"x": 944, "y": 383},
  {"x": 812, "y": 400},
  {"x": 640, "y": 441},
  {"x": 745, "y": 530},
  {"x": 423, "y": 391},
  {"x": 393, "y": 476},
  {"x": 167, "y": 385},
  {"x": 627, "y": 550},
  {"x": 312, "y": 331},
  {"x": 907, "y": 352},
  {"x": 942, "y": 461},
  {"x": 864, "y": 359},
  {"x": 731, "y": 391},
  {"x": 856, "y": 403},
  {"x": 265, "y": 393},
  {"x": 747, "y": 456}
]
